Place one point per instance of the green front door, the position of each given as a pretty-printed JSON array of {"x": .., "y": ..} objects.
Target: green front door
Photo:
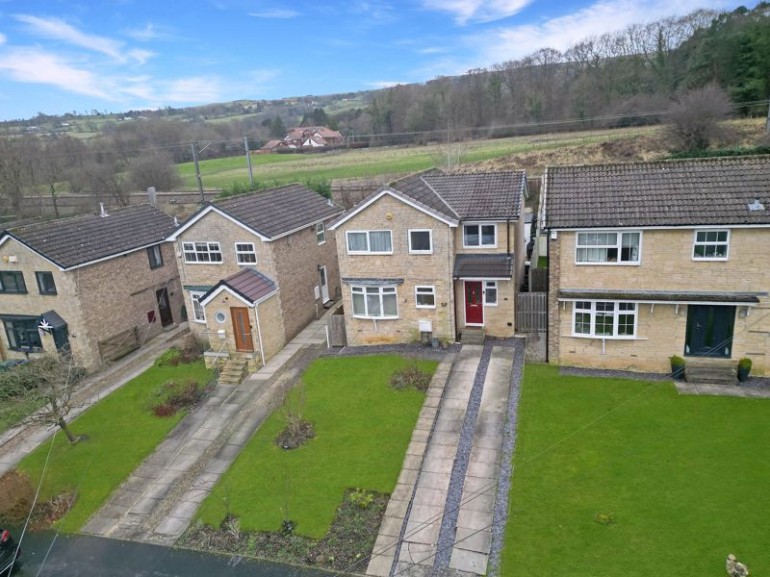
[{"x": 709, "y": 331}]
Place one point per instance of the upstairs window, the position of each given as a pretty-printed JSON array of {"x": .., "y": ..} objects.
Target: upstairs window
[
  {"x": 711, "y": 244},
  {"x": 608, "y": 247},
  {"x": 370, "y": 242},
  {"x": 245, "y": 253},
  {"x": 202, "y": 252},
  {"x": 12, "y": 281},
  {"x": 479, "y": 235},
  {"x": 420, "y": 242},
  {"x": 45, "y": 283},
  {"x": 320, "y": 233},
  {"x": 155, "y": 256}
]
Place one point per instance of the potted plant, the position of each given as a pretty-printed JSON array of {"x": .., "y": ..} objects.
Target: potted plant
[
  {"x": 744, "y": 368},
  {"x": 677, "y": 367}
]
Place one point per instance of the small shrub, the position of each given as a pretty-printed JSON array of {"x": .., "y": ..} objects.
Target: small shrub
[
  {"x": 297, "y": 432},
  {"x": 411, "y": 376},
  {"x": 173, "y": 396},
  {"x": 745, "y": 363},
  {"x": 287, "y": 527},
  {"x": 361, "y": 498},
  {"x": 171, "y": 358}
]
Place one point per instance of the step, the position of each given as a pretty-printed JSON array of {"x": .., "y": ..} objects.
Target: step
[
  {"x": 472, "y": 336},
  {"x": 711, "y": 375}
]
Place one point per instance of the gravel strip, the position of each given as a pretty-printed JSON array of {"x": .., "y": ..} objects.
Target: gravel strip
[
  {"x": 446, "y": 536},
  {"x": 507, "y": 450}
]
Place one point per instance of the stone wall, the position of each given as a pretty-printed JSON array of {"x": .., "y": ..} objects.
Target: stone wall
[{"x": 666, "y": 264}]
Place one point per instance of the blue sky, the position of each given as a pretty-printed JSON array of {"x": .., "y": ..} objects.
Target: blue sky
[{"x": 114, "y": 55}]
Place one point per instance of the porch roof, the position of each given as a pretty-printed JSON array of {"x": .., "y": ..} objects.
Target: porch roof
[
  {"x": 248, "y": 283},
  {"x": 658, "y": 296},
  {"x": 52, "y": 320},
  {"x": 483, "y": 266}
]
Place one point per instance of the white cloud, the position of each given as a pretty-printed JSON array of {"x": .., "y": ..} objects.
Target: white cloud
[
  {"x": 150, "y": 32},
  {"x": 39, "y": 67},
  {"x": 193, "y": 89},
  {"x": 465, "y": 11},
  {"x": 2, "y": 38},
  {"x": 277, "y": 13},
  {"x": 561, "y": 32},
  {"x": 55, "y": 29}
]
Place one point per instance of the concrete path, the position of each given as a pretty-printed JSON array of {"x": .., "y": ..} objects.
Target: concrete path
[
  {"x": 19, "y": 441},
  {"x": 158, "y": 501},
  {"x": 746, "y": 390},
  {"x": 455, "y": 450}
]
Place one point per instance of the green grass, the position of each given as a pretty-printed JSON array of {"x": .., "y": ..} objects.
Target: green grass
[
  {"x": 617, "y": 477},
  {"x": 13, "y": 411},
  {"x": 362, "y": 428},
  {"x": 277, "y": 169},
  {"x": 121, "y": 432}
]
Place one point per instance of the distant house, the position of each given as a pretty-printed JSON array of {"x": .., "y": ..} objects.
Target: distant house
[
  {"x": 433, "y": 255},
  {"x": 257, "y": 268},
  {"x": 656, "y": 259},
  {"x": 306, "y": 137},
  {"x": 98, "y": 285}
]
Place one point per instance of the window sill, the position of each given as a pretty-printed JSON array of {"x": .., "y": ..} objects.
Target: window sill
[
  {"x": 370, "y": 253},
  {"x": 196, "y": 262},
  {"x": 637, "y": 263},
  {"x": 375, "y": 318},
  {"x": 706, "y": 259},
  {"x": 606, "y": 338}
]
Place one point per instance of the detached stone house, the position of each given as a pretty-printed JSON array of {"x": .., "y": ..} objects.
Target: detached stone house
[
  {"x": 98, "y": 285},
  {"x": 257, "y": 268},
  {"x": 657, "y": 259},
  {"x": 433, "y": 255}
]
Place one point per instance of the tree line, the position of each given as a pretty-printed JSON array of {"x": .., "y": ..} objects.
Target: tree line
[{"x": 620, "y": 79}]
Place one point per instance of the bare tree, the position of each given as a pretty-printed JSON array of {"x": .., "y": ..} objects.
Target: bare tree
[
  {"x": 694, "y": 120},
  {"x": 56, "y": 379}
]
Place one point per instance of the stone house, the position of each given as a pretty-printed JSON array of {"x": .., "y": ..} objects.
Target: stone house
[
  {"x": 433, "y": 256},
  {"x": 256, "y": 269},
  {"x": 98, "y": 285},
  {"x": 657, "y": 259}
]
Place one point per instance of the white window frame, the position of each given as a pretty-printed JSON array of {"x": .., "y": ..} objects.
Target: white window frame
[
  {"x": 424, "y": 290},
  {"x": 616, "y": 246},
  {"x": 492, "y": 286},
  {"x": 430, "y": 240},
  {"x": 481, "y": 236},
  {"x": 369, "y": 290},
  {"x": 198, "y": 248},
  {"x": 368, "y": 234},
  {"x": 240, "y": 253},
  {"x": 707, "y": 243},
  {"x": 194, "y": 298},
  {"x": 320, "y": 233},
  {"x": 594, "y": 310}
]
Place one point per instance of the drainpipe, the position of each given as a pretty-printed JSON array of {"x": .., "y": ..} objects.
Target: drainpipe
[
  {"x": 259, "y": 334},
  {"x": 547, "y": 292}
]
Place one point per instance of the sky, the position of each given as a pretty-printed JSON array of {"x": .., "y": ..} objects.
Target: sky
[{"x": 59, "y": 56}]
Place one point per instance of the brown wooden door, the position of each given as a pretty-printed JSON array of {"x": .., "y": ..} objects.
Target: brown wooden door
[
  {"x": 242, "y": 329},
  {"x": 474, "y": 305}
]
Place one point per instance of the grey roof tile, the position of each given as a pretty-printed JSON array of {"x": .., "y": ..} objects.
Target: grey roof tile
[
  {"x": 279, "y": 210},
  {"x": 714, "y": 191},
  {"x": 251, "y": 284},
  {"x": 483, "y": 266},
  {"x": 78, "y": 240},
  {"x": 484, "y": 195}
]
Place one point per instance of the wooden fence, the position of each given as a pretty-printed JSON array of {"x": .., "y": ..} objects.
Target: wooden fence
[
  {"x": 532, "y": 312},
  {"x": 538, "y": 279},
  {"x": 337, "y": 336}
]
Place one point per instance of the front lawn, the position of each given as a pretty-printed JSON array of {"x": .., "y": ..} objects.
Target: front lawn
[
  {"x": 619, "y": 477},
  {"x": 121, "y": 432},
  {"x": 362, "y": 429}
]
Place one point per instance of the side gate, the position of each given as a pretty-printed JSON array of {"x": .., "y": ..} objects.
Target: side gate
[{"x": 532, "y": 312}]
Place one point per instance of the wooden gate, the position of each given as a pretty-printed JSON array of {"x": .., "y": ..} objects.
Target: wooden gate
[
  {"x": 532, "y": 312},
  {"x": 337, "y": 337}
]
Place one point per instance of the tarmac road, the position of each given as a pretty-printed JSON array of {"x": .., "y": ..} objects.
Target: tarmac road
[{"x": 88, "y": 556}]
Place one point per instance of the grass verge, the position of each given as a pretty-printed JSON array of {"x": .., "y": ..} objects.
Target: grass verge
[
  {"x": 362, "y": 429},
  {"x": 121, "y": 431},
  {"x": 617, "y": 477}
]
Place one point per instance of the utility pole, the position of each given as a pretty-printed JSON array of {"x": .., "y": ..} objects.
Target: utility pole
[
  {"x": 248, "y": 160},
  {"x": 194, "y": 148}
]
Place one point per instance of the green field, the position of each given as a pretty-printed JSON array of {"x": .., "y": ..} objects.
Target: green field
[
  {"x": 276, "y": 169},
  {"x": 619, "y": 477}
]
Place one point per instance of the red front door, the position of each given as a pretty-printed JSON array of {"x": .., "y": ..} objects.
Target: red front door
[{"x": 474, "y": 303}]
